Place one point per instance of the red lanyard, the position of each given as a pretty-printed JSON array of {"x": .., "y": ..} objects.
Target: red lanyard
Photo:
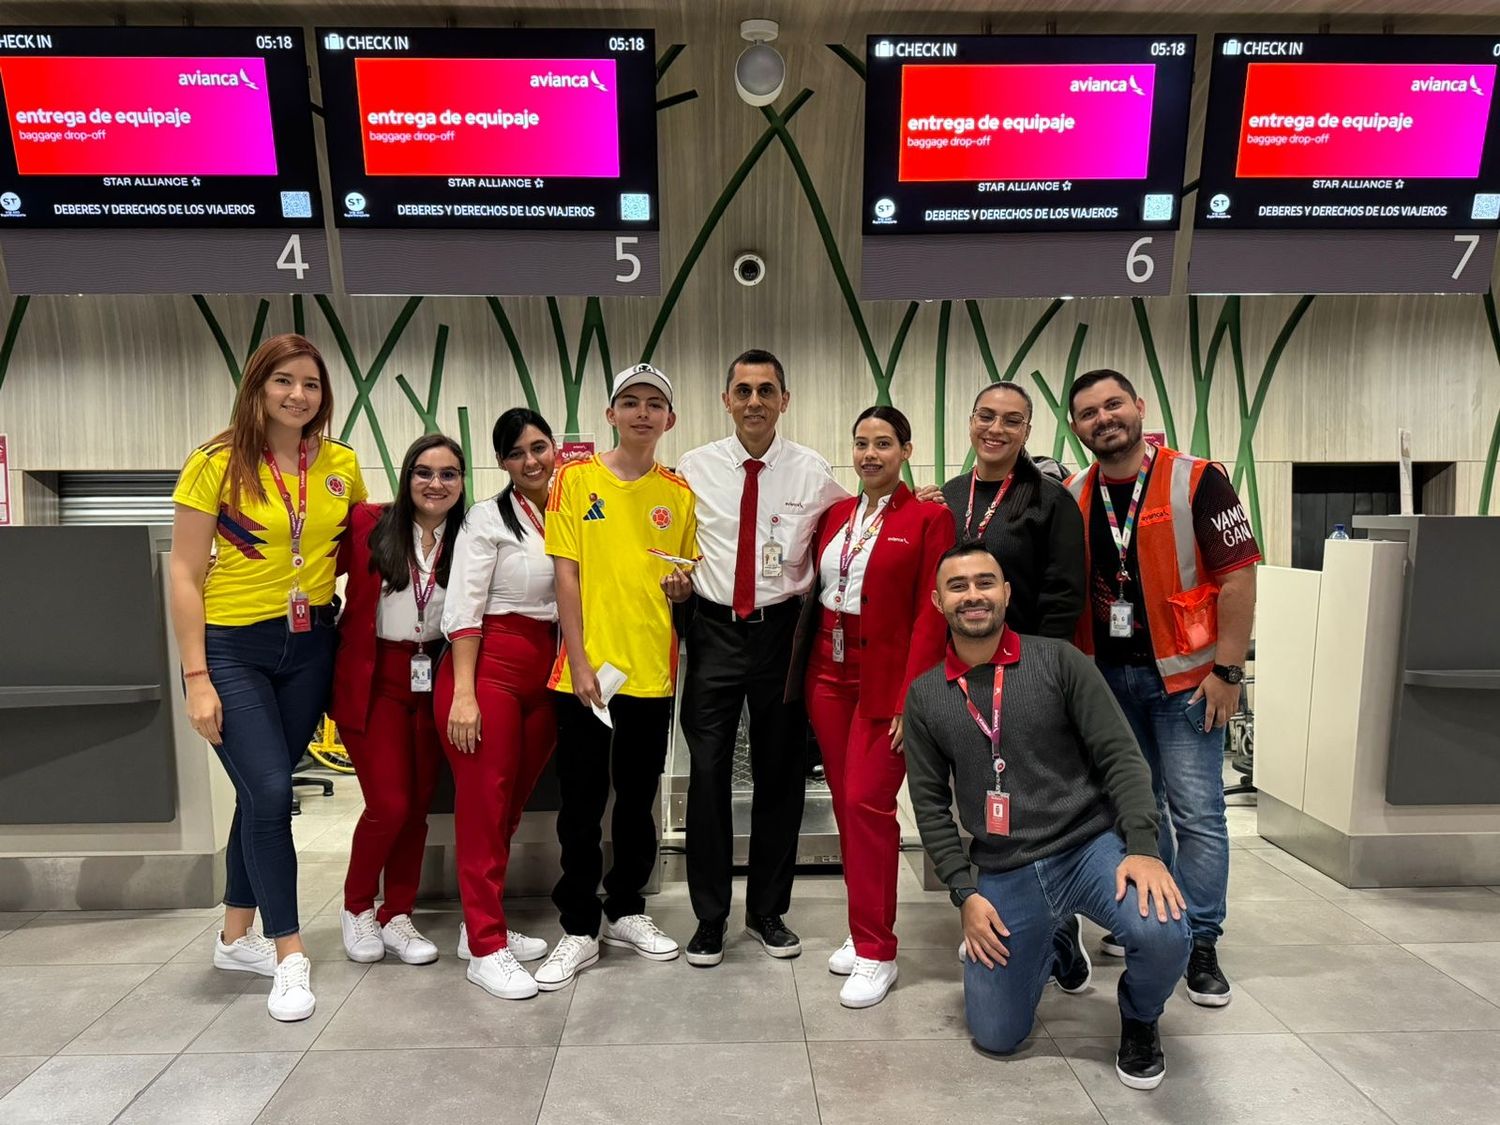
[
  {"x": 846, "y": 556},
  {"x": 1122, "y": 535},
  {"x": 991, "y": 730},
  {"x": 424, "y": 596},
  {"x": 989, "y": 514},
  {"x": 536, "y": 520},
  {"x": 297, "y": 515}
]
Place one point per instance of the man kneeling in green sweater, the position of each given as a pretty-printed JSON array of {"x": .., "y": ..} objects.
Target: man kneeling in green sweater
[{"x": 1049, "y": 781}]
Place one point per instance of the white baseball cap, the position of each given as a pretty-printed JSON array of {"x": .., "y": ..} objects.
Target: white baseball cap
[{"x": 640, "y": 373}]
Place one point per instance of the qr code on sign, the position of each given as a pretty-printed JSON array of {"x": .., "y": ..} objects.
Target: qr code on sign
[
  {"x": 1158, "y": 208},
  {"x": 1486, "y": 206},
  {"x": 296, "y": 205},
  {"x": 635, "y": 207}
]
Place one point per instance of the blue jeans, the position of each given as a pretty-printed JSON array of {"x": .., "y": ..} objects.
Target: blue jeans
[
  {"x": 273, "y": 685},
  {"x": 1187, "y": 774},
  {"x": 1033, "y": 901}
]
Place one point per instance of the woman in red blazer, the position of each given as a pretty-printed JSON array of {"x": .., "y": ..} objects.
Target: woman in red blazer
[
  {"x": 390, "y": 636},
  {"x": 877, "y": 556}
]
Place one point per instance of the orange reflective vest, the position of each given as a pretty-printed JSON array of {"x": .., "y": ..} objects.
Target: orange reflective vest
[{"x": 1182, "y": 598}]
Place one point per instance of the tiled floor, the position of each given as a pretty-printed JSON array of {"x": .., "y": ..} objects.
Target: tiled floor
[{"x": 1350, "y": 1006}]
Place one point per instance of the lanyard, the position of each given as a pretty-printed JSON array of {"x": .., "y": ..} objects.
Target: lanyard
[
  {"x": 1122, "y": 536},
  {"x": 991, "y": 730},
  {"x": 423, "y": 596},
  {"x": 536, "y": 520},
  {"x": 298, "y": 515},
  {"x": 989, "y": 513},
  {"x": 846, "y": 556}
]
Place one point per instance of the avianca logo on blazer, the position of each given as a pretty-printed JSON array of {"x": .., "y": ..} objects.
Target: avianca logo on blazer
[{"x": 898, "y": 539}]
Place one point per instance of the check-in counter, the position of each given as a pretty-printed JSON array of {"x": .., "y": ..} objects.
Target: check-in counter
[
  {"x": 1377, "y": 719},
  {"x": 108, "y": 799}
]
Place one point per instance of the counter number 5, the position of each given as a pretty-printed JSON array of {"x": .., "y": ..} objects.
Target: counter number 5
[{"x": 633, "y": 271}]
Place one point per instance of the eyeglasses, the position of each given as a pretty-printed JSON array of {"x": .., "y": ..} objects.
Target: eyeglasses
[
  {"x": 426, "y": 475},
  {"x": 984, "y": 419}
]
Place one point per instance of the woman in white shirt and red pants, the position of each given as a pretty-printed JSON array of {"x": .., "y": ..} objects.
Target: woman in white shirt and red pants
[
  {"x": 493, "y": 707},
  {"x": 876, "y": 631}
]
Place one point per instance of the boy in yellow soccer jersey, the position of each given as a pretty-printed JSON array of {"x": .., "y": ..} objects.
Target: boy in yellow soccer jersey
[{"x": 609, "y": 521}]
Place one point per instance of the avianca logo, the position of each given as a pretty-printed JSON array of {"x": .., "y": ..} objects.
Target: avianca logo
[
  {"x": 1092, "y": 85},
  {"x": 1446, "y": 86},
  {"x": 206, "y": 78},
  {"x": 566, "y": 81},
  {"x": 596, "y": 507}
]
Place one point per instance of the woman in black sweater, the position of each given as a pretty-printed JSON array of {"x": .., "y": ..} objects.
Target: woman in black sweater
[{"x": 1028, "y": 521}]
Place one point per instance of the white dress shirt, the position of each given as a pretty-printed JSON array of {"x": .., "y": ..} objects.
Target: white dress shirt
[
  {"x": 796, "y": 487},
  {"x": 828, "y": 565},
  {"x": 396, "y": 614},
  {"x": 494, "y": 572}
]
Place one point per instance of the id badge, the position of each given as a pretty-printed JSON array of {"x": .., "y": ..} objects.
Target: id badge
[
  {"x": 997, "y": 813},
  {"x": 298, "y": 612},
  {"x": 1121, "y": 619},
  {"x": 770, "y": 560},
  {"x": 421, "y": 672},
  {"x": 838, "y": 645}
]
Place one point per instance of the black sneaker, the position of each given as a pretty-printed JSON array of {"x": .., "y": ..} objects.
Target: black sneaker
[
  {"x": 707, "y": 947},
  {"x": 1110, "y": 946},
  {"x": 1140, "y": 1063},
  {"x": 1206, "y": 984},
  {"x": 771, "y": 932},
  {"x": 1071, "y": 968}
]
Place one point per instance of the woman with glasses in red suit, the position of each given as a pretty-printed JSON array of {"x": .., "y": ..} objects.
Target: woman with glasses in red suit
[{"x": 397, "y": 557}]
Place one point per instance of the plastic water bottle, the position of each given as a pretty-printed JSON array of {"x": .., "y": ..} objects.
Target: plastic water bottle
[{"x": 1339, "y": 532}]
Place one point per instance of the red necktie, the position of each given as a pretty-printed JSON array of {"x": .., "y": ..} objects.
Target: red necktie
[{"x": 744, "y": 559}]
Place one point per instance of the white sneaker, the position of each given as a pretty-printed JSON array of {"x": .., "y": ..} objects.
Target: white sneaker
[
  {"x": 841, "y": 963},
  {"x": 403, "y": 939},
  {"x": 500, "y": 974},
  {"x": 569, "y": 957},
  {"x": 249, "y": 954},
  {"x": 525, "y": 948},
  {"x": 361, "y": 937},
  {"x": 639, "y": 932},
  {"x": 291, "y": 996},
  {"x": 868, "y": 983}
]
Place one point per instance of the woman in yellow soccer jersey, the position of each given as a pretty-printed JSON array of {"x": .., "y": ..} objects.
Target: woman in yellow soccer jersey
[{"x": 271, "y": 496}]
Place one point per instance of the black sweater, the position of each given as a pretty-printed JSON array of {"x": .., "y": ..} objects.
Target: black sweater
[
  {"x": 1072, "y": 765},
  {"x": 1037, "y": 536}
]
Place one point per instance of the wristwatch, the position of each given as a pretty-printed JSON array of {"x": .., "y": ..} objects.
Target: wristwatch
[
  {"x": 1229, "y": 673},
  {"x": 961, "y": 896}
]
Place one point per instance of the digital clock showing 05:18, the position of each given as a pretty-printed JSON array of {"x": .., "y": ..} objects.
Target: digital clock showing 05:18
[
  {"x": 627, "y": 42},
  {"x": 273, "y": 42}
]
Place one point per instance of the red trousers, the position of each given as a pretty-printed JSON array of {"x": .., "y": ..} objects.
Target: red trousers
[
  {"x": 517, "y": 732},
  {"x": 396, "y": 758},
  {"x": 864, "y": 776}
]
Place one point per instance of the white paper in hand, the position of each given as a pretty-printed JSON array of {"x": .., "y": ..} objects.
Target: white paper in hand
[{"x": 611, "y": 680}]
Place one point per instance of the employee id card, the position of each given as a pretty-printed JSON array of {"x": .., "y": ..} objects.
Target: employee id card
[
  {"x": 1121, "y": 619},
  {"x": 997, "y": 813},
  {"x": 421, "y": 672},
  {"x": 770, "y": 560},
  {"x": 298, "y": 611}
]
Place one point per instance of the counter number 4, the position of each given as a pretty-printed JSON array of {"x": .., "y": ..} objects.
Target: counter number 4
[{"x": 291, "y": 257}]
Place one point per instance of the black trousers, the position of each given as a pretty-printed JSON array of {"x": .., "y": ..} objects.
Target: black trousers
[
  {"x": 589, "y": 758},
  {"x": 729, "y": 664}
]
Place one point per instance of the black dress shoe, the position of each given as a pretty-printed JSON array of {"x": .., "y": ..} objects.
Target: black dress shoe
[
  {"x": 771, "y": 932},
  {"x": 1140, "y": 1063},
  {"x": 1071, "y": 967},
  {"x": 1206, "y": 984},
  {"x": 707, "y": 947}
]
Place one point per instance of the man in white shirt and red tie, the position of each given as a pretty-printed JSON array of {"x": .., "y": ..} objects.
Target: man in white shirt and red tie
[{"x": 759, "y": 497}]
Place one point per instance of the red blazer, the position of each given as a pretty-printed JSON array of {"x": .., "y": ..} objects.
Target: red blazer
[
  {"x": 902, "y": 632},
  {"x": 354, "y": 667}
]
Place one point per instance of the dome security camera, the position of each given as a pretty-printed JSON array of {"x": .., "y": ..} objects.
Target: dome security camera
[
  {"x": 749, "y": 269},
  {"x": 760, "y": 71}
]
